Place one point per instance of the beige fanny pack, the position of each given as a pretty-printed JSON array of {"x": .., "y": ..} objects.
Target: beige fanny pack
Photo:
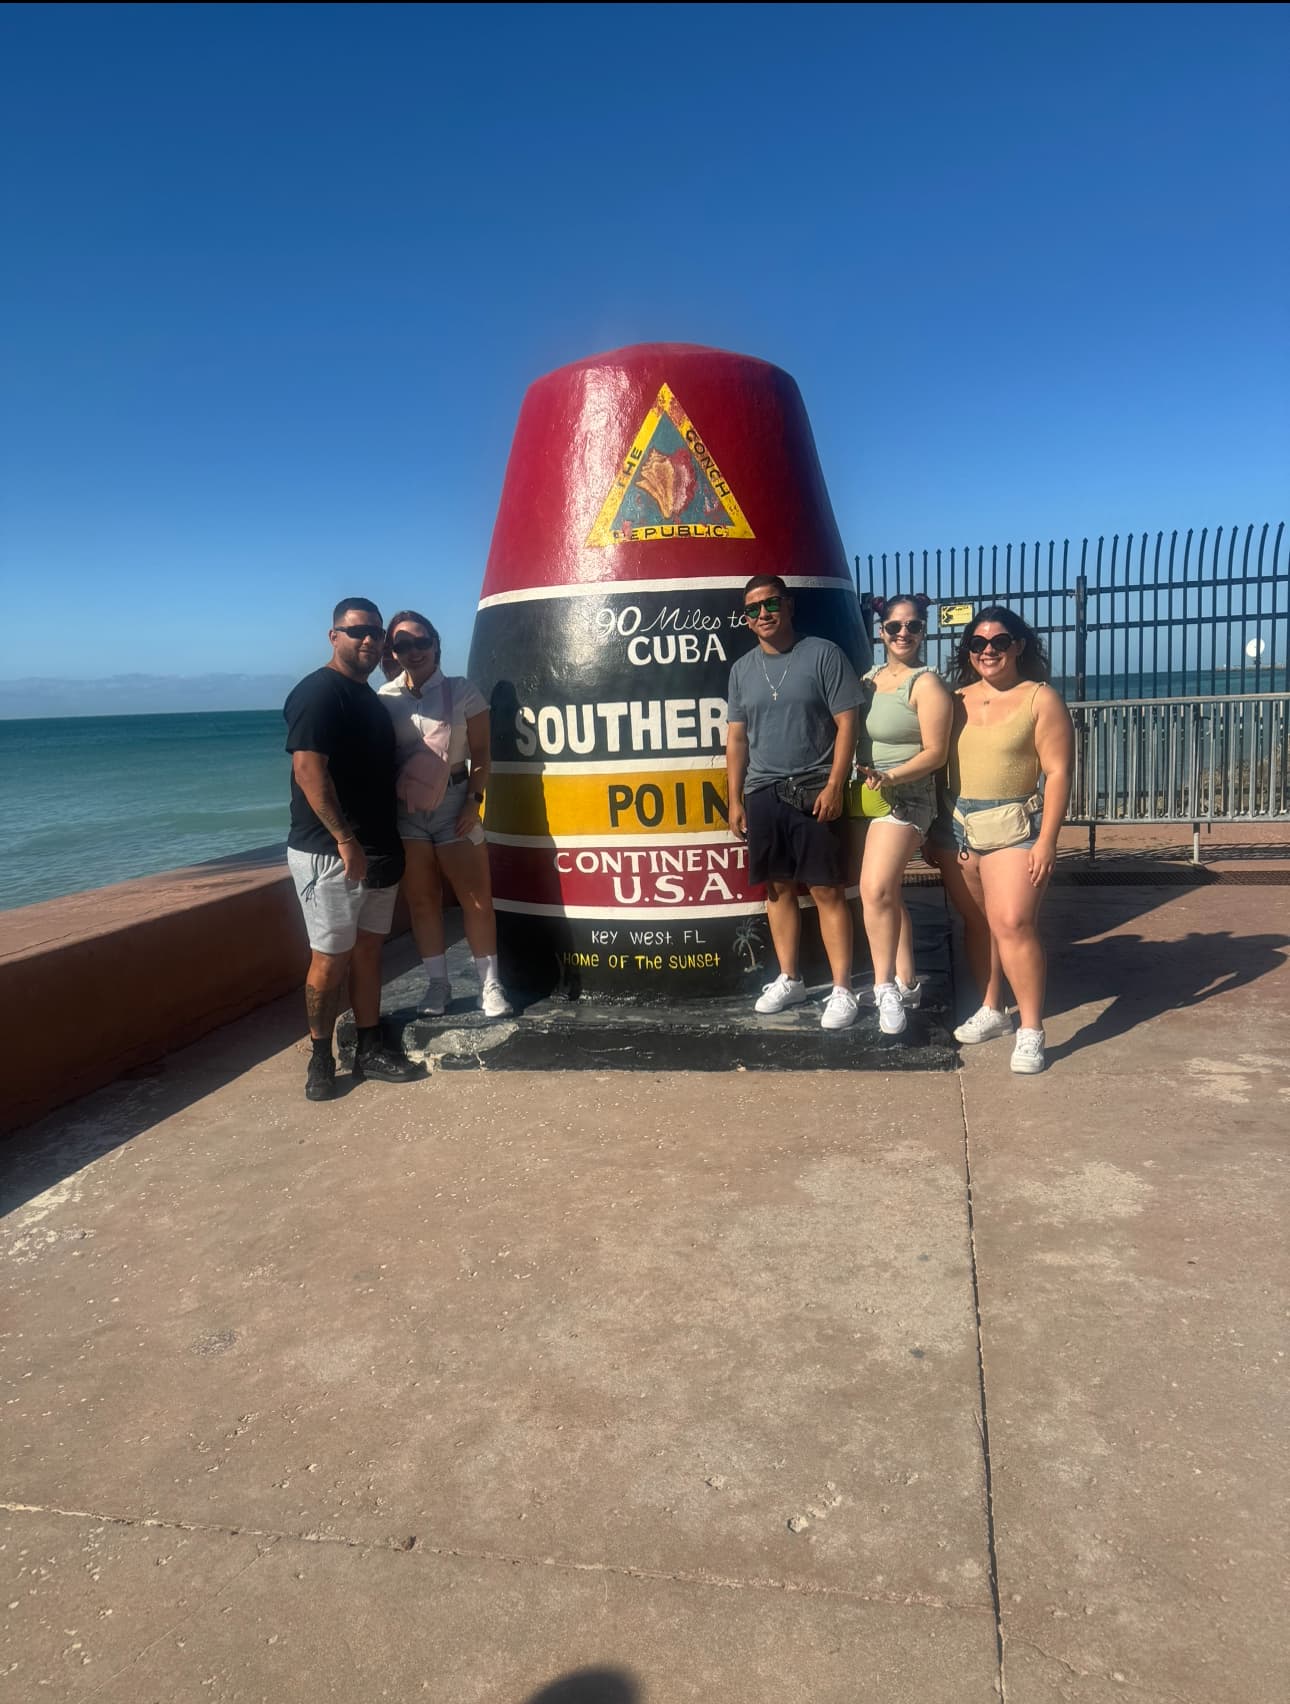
[{"x": 995, "y": 827}]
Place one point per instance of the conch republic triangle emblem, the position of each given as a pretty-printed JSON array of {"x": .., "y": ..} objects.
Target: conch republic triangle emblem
[{"x": 669, "y": 486}]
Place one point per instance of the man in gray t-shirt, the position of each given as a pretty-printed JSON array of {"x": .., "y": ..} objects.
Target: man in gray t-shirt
[{"x": 791, "y": 715}]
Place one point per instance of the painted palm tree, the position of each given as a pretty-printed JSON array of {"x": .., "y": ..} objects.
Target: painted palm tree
[{"x": 748, "y": 940}]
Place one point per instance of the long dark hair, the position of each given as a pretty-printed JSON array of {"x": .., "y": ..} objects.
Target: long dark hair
[
  {"x": 389, "y": 663},
  {"x": 1032, "y": 664}
]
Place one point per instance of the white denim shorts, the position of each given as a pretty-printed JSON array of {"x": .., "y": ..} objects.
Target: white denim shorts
[{"x": 334, "y": 908}]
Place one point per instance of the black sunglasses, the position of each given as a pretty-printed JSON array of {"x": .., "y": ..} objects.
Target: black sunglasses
[
  {"x": 997, "y": 642},
  {"x": 411, "y": 642},
  {"x": 364, "y": 631},
  {"x": 755, "y": 611},
  {"x": 893, "y": 629}
]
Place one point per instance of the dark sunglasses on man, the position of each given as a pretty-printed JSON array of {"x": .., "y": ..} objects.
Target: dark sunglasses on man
[
  {"x": 405, "y": 642},
  {"x": 893, "y": 629},
  {"x": 997, "y": 642},
  {"x": 755, "y": 611},
  {"x": 364, "y": 630}
]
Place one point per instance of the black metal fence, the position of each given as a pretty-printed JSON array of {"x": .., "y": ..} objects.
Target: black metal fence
[{"x": 1138, "y": 617}]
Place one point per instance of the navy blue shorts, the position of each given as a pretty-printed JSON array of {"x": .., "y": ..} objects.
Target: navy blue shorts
[{"x": 789, "y": 845}]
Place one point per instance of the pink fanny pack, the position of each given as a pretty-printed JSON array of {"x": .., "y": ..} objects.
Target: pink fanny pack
[{"x": 423, "y": 776}]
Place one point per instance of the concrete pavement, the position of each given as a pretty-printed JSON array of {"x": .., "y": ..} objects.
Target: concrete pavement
[{"x": 629, "y": 1388}]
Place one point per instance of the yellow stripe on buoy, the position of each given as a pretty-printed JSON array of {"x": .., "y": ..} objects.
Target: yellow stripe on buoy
[{"x": 634, "y": 802}]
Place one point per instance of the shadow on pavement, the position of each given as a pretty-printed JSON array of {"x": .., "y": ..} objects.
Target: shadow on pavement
[
  {"x": 74, "y": 1136},
  {"x": 1148, "y": 977},
  {"x": 590, "y": 1686}
]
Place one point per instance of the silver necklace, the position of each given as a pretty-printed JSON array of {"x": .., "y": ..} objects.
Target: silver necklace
[{"x": 773, "y": 685}]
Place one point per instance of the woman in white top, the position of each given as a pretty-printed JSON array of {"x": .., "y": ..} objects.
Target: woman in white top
[{"x": 441, "y": 726}]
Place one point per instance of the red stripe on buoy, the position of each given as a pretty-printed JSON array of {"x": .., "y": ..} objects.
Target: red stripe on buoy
[
  {"x": 750, "y": 453},
  {"x": 612, "y": 876}
]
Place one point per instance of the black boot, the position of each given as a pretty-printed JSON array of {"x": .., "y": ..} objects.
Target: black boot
[
  {"x": 320, "y": 1079},
  {"x": 372, "y": 1058}
]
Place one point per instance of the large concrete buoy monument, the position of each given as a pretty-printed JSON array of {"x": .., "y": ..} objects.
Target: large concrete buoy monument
[{"x": 644, "y": 488}]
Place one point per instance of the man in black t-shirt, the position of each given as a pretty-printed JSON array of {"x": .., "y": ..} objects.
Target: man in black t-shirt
[{"x": 344, "y": 850}]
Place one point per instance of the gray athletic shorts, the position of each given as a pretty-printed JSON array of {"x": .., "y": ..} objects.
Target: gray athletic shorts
[{"x": 336, "y": 909}]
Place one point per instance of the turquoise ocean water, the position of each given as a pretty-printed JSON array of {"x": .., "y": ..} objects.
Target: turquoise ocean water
[{"x": 98, "y": 799}]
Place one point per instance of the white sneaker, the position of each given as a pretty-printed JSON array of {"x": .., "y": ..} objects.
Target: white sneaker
[
  {"x": 911, "y": 994},
  {"x": 1028, "y": 1054},
  {"x": 841, "y": 1010},
  {"x": 493, "y": 1002},
  {"x": 984, "y": 1024},
  {"x": 438, "y": 992},
  {"x": 783, "y": 991},
  {"x": 891, "y": 1008}
]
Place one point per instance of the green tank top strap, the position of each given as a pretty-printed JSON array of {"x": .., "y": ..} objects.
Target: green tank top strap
[{"x": 906, "y": 686}]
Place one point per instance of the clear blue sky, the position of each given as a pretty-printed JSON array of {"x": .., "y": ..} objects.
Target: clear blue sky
[{"x": 276, "y": 279}]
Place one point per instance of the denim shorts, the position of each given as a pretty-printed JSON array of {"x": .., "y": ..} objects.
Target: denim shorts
[
  {"x": 439, "y": 826},
  {"x": 967, "y": 806},
  {"x": 913, "y": 805}
]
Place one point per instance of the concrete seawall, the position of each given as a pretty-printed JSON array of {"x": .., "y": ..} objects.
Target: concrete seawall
[{"x": 99, "y": 983}]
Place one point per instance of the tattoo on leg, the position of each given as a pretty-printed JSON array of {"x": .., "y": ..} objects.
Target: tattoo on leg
[{"x": 322, "y": 1005}]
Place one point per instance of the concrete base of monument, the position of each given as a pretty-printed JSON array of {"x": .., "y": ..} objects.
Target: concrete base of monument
[{"x": 555, "y": 1033}]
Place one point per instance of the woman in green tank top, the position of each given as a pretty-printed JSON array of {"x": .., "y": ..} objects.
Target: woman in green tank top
[{"x": 904, "y": 742}]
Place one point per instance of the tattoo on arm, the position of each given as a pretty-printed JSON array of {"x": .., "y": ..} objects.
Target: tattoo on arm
[
  {"x": 328, "y": 810},
  {"x": 315, "y": 782},
  {"x": 322, "y": 1006}
]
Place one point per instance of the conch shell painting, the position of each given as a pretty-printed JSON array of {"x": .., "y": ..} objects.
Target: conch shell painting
[{"x": 670, "y": 481}]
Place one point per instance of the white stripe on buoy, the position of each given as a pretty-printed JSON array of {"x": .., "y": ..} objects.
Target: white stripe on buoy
[{"x": 612, "y": 588}]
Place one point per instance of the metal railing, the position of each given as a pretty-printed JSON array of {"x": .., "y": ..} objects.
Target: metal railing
[
  {"x": 1197, "y": 760},
  {"x": 1139, "y": 615}
]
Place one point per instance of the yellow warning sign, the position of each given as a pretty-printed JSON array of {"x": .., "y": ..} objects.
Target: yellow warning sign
[
  {"x": 668, "y": 486},
  {"x": 954, "y": 615}
]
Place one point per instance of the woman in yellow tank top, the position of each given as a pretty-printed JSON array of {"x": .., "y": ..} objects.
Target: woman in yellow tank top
[{"x": 1010, "y": 729}]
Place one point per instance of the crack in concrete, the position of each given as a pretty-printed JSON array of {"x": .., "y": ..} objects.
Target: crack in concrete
[
  {"x": 397, "y": 1546},
  {"x": 186, "y": 1617},
  {"x": 983, "y": 1415},
  {"x": 1114, "y": 1676}
]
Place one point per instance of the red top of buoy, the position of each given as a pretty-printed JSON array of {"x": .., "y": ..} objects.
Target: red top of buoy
[{"x": 663, "y": 461}]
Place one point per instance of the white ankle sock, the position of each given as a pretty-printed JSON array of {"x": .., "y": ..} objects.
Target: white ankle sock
[
  {"x": 437, "y": 966},
  {"x": 486, "y": 969}
]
